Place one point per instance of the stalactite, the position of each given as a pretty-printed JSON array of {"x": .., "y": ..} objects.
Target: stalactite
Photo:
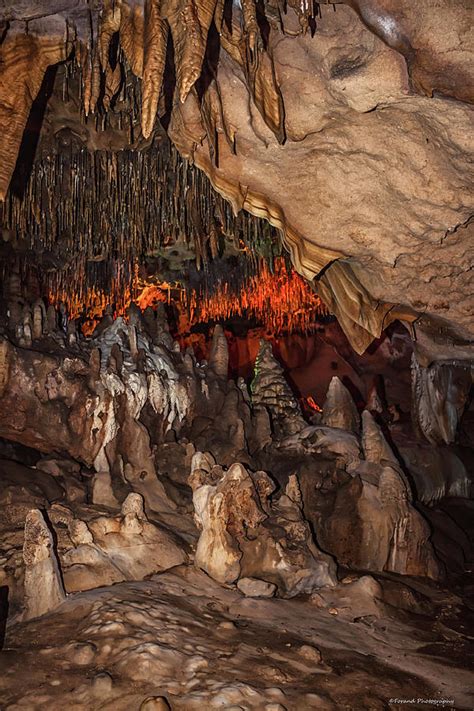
[
  {"x": 189, "y": 21},
  {"x": 156, "y": 39}
]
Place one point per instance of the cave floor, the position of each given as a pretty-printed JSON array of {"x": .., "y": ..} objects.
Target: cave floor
[{"x": 203, "y": 646}]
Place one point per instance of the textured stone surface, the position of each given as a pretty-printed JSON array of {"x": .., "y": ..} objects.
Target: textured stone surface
[
  {"x": 44, "y": 589},
  {"x": 252, "y": 587}
]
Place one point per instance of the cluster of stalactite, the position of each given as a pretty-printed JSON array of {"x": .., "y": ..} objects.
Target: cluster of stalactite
[
  {"x": 279, "y": 299},
  {"x": 147, "y": 37},
  {"x": 102, "y": 205},
  {"x": 275, "y": 297}
]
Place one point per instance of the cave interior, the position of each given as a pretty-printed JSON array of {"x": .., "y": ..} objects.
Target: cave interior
[{"x": 236, "y": 355}]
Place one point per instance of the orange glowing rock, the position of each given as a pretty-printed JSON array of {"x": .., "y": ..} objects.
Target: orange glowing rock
[
  {"x": 280, "y": 300},
  {"x": 311, "y": 402}
]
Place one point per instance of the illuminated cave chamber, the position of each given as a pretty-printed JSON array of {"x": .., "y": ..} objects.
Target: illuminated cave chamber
[{"x": 236, "y": 462}]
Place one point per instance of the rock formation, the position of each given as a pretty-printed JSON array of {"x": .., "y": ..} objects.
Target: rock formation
[
  {"x": 44, "y": 589},
  {"x": 439, "y": 396},
  {"x": 374, "y": 445},
  {"x": 212, "y": 214},
  {"x": 118, "y": 525},
  {"x": 219, "y": 355},
  {"x": 107, "y": 549},
  {"x": 244, "y": 537},
  {"x": 339, "y": 410},
  {"x": 271, "y": 392}
]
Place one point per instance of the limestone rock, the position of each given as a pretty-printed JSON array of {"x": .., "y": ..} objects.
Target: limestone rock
[
  {"x": 244, "y": 536},
  {"x": 223, "y": 512},
  {"x": 329, "y": 441},
  {"x": 339, "y": 410},
  {"x": 155, "y": 703},
  {"x": 439, "y": 396},
  {"x": 219, "y": 355},
  {"x": 102, "y": 493},
  {"x": 374, "y": 401},
  {"x": 252, "y": 587},
  {"x": 374, "y": 445},
  {"x": 283, "y": 550},
  {"x": 108, "y": 549},
  {"x": 373, "y": 526},
  {"x": 44, "y": 589},
  {"x": 271, "y": 392},
  {"x": 437, "y": 473}
]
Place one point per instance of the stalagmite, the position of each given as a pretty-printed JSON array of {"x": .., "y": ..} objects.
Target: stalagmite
[
  {"x": 51, "y": 319},
  {"x": 208, "y": 208},
  {"x": 374, "y": 401},
  {"x": 39, "y": 318},
  {"x": 27, "y": 331},
  {"x": 219, "y": 355},
  {"x": 102, "y": 492},
  {"x": 339, "y": 410},
  {"x": 270, "y": 390},
  {"x": 44, "y": 589},
  {"x": 4, "y": 365},
  {"x": 374, "y": 445}
]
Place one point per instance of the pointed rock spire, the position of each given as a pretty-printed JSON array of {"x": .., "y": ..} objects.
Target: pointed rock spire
[
  {"x": 374, "y": 401},
  {"x": 374, "y": 445},
  {"x": 219, "y": 355},
  {"x": 339, "y": 409},
  {"x": 270, "y": 390},
  {"x": 43, "y": 585}
]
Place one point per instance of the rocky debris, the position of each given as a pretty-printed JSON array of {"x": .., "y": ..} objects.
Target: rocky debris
[
  {"x": 339, "y": 409},
  {"x": 244, "y": 536},
  {"x": 252, "y": 587},
  {"x": 271, "y": 392},
  {"x": 44, "y": 589}
]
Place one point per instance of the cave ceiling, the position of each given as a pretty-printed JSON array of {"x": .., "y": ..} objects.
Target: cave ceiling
[{"x": 348, "y": 126}]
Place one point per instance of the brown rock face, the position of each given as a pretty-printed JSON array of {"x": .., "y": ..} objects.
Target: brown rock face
[
  {"x": 24, "y": 59},
  {"x": 371, "y": 171}
]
